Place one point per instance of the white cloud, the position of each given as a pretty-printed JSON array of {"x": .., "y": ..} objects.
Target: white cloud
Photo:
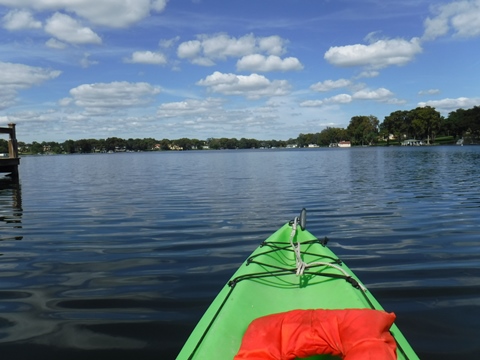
[
  {"x": 435, "y": 27},
  {"x": 189, "y": 49},
  {"x": 118, "y": 13},
  {"x": 368, "y": 74},
  {"x": 207, "y": 116},
  {"x": 189, "y": 107},
  {"x": 449, "y": 104},
  {"x": 7, "y": 97},
  {"x": 373, "y": 37},
  {"x": 429, "y": 92},
  {"x": 337, "y": 99},
  {"x": 19, "y": 76},
  {"x": 459, "y": 17},
  {"x": 261, "y": 63},
  {"x": 168, "y": 43},
  {"x": 19, "y": 20},
  {"x": 207, "y": 49},
  {"x": 69, "y": 30},
  {"x": 252, "y": 86},
  {"x": 328, "y": 85},
  {"x": 106, "y": 98},
  {"x": 147, "y": 57},
  {"x": 311, "y": 103},
  {"x": 65, "y": 101},
  {"x": 202, "y": 61},
  {"x": 34, "y": 118},
  {"x": 55, "y": 44},
  {"x": 85, "y": 61},
  {"x": 377, "y": 55},
  {"x": 394, "y": 101},
  {"x": 16, "y": 77},
  {"x": 273, "y": 45},
  {"x": 158, "y": 5},
  {"x": 378, "y": 94},
  {"x": 222, "y": 46}
]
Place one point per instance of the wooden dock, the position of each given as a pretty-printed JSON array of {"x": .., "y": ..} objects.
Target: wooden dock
[{"x": 10, "y": 163}]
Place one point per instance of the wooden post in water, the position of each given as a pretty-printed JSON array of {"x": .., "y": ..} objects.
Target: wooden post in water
[
  {"x": 12, "y": 142},
  {"x": 11, "y": 163}
]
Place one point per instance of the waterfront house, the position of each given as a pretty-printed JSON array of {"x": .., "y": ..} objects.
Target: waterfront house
[{"x": 344, "y": 144}]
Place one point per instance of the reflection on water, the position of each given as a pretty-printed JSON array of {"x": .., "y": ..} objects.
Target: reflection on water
[
  {"x": 10, "y": 208},
  {"x": 120, "y": 254}
]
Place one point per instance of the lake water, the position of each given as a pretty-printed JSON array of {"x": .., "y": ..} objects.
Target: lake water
[{"x": 120, "y": 254}]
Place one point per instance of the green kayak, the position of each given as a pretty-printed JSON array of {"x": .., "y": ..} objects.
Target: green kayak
[{"x": 290, "y": 270}]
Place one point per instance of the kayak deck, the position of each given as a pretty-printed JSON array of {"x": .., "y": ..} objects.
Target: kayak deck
[{"x": 267, "y": 283}]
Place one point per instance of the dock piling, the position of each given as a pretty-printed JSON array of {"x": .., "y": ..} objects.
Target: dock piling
[{"x": 10, "y": 164}]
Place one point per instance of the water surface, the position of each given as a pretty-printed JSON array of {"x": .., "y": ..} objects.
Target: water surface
[{"x": 120, "y": 254}]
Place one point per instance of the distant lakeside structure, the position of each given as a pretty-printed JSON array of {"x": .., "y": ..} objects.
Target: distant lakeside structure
[
  {"x": 341, "y": 144},
  {"x": 413, "y": 142},
  {"x": 9, "y": 162}
]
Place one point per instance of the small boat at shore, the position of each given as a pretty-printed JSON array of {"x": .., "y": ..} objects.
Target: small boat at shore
[{"x": 293, "y": 298}]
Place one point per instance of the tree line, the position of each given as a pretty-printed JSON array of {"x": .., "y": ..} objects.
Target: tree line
[
  {"x": 115, "y": 144},
  {"x": 422, "y": 123}
]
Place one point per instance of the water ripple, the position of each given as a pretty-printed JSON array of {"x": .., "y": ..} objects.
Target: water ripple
[{"x": 120, "y": 255}]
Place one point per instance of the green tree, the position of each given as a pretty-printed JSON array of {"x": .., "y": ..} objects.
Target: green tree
[
  {"x": 331, "y": 135},
  {"x": 114, "y": 143},
  {"x": 243, "y": 143},
  {"x": 83, "y": 146},
  {"x": 363, "y": 129},
  {"x": 465, "y": 123},
  {"x": 164, "y": 144},
  {"x": 426, "y": 122},
  {"x": 184, "y": 143},
  {"x": 226, "y": 143},
  {"x": 197, "y": 144},
  {"x": 472, "y": 120},
  {"x": 456, "y": 123},
  {"x": 36, "y": 148},
  {"x": 276, "y": 143},
  {"x": 52, "y": 147},
  {"x": 302, "y": 140},
  {"x": 251, "y": 144},
  {"x": 213, "y": 143},
  {"x": 69, "y": 146},
  {"x": 97, "y": 145},
  {"x": 146, "y": 144},
  {"x": 397, "y": 124}
]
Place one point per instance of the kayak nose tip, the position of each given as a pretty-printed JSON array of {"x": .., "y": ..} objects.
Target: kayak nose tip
[{"x": 303, "y": 218}]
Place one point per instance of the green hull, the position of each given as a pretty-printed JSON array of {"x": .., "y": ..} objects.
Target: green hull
[{"x": 260, "y": 287}]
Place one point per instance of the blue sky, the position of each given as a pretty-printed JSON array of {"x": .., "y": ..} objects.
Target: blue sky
[{"x": 267, "y": 69}]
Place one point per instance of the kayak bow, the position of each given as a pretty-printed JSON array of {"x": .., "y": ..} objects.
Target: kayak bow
[{"x": 290, "y": 270}]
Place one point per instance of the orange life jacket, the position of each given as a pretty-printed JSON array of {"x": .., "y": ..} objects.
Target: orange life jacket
[{"x": 352, "y": 334}]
